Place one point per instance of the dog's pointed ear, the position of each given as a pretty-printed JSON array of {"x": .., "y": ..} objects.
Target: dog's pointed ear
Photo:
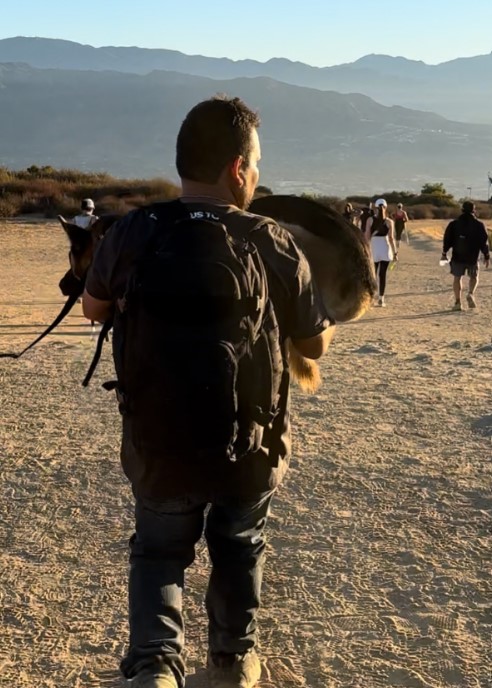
[
  {"x": 77, "y": 236},
  {"x": 64, "y": 223}
]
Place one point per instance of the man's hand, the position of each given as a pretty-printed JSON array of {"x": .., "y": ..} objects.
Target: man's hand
[
  {"x": 315, "y": 347},
  {"x": 486, "y": 262}
]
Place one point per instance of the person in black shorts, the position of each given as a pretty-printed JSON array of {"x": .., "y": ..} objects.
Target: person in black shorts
[{"x": 467, "y": 237}]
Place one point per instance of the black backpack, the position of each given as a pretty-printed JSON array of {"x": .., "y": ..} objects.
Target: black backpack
[
  {"x": 463, "y": 240},
  {"x": 196, "y": 341}
]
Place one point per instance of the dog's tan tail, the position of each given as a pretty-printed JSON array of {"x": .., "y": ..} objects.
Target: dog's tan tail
[{"x": 303, "y": 370}]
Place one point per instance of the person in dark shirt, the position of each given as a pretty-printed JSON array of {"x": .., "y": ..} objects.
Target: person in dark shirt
[
  {"x": 467, "y": 237},
  {"x": 366, "y": 213},
  {"x": 348, "y": 212},
  {"x": 218, "y": 152}
]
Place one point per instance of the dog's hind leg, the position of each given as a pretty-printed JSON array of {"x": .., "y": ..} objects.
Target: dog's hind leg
[{"x": 303, "y": 370}]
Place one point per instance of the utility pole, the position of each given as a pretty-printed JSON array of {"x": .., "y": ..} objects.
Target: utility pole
[{"x": 469, "y": 189}]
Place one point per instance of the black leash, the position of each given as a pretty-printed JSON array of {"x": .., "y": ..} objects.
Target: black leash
[
  {"x": 71, "y": 301},
  {"x": 103, "y": 336}
]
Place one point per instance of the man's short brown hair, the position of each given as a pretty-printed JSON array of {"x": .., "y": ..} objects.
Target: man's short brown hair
[{"x": 213, "y": 134}]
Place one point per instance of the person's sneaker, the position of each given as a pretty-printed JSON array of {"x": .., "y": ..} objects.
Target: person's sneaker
[
  {"x": 471, "y": 301},
  {"x": 382, "y": 302},
  {"x": 233, "y": 671},
  {"x": 457, "y": 306},
  {"x": 152, "y": 678}
]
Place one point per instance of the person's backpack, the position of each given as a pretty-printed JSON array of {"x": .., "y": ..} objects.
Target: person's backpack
[
  {"x": 463, "y": 240},
  {"x": 196, "y": 344}
]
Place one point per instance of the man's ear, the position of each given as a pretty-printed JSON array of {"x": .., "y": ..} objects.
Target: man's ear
[{"x": 236, "y": 171}]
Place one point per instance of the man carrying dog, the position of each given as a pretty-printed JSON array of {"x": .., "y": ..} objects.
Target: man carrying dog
[{"x": 158, "y": 270}]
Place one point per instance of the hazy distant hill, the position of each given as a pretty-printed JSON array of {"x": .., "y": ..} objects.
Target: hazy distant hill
[
  {"x": 459, "y": 89},
  {"x": 126, "y": 124}
]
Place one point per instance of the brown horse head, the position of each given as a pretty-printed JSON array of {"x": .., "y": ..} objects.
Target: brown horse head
[{"x": 82, "y": 245}]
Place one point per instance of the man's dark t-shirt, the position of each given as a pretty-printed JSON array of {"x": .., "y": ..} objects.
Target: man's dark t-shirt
[
  {"x": 300, "y": 314},
  {"x": 467, "y": 236}
]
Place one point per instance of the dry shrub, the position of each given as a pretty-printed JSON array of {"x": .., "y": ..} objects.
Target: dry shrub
[
  {"x": 484, "y": 210},
  {"x": 446, "y": 213},
  {"x": 10, "y": 205},
  {"x": 421, "y": 212},
  {"x": 113, "y": 205},
  {"x": 5, "y": 175},
  {"x": 154, "y": 189},
  {"x": 30, "y": 203},
  {"x": 44, "y": 187},
  {"x": 52, "y": 192}
]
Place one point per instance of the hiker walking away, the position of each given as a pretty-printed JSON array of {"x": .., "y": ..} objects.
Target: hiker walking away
[
  {"x": 207, "y": 295},
  {"x": 400, "y": 218},
  {"x": 467, "y": 237},
  {"x": 380, "y": 233},
  {"x": 86, "y": 217}
]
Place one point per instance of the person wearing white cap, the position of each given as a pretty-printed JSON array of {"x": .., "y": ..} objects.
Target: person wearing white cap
[
  {"x": 380, "y": 232},
  {"x": 86, "y": 217}
]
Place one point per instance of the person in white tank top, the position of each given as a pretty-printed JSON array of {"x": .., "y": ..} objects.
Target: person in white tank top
[
  {"x": 86, "y": 217},
  {"x": 380, "y": 232}
]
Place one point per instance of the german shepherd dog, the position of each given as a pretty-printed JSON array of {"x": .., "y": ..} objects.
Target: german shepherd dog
[
  {"x": 340, "y": 261},
  {"x": 336, "y": 250}
]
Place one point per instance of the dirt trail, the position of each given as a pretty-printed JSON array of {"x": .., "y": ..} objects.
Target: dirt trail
[{"x": 380, "y": 542}]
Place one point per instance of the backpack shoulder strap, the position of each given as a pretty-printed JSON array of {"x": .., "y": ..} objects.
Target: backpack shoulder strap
[
  {"x": 164, "y": 213},
  {"x": 244, "y": 223}
]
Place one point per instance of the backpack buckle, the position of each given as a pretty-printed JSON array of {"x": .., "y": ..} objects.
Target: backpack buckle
[
  {"x": 122, "y": 401},
  {"x": 121, "y": 397}
]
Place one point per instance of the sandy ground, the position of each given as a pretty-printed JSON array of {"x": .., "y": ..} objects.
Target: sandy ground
[{"x": 380, "y": 542}]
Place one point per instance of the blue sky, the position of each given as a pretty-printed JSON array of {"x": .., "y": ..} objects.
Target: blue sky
[{"x": 318, "y": 32}]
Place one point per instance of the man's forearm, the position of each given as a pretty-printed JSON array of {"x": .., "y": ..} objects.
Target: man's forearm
[
  {"x": 485, "y": 246},
  {"x": 447, "y": 241},
  {"x": 96, "y": 309}
]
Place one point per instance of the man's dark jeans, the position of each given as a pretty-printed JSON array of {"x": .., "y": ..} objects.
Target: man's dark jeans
[{"x": 163, "y": 546}]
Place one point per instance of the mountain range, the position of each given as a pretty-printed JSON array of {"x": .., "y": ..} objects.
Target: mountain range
[
  {"x": 125, "y": 121},
  {"x": 458, "y": 89}
]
